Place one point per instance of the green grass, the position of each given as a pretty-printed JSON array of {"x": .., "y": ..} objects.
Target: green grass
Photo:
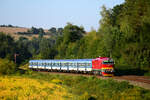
[
  {"x": 67, "y": 87},
  {"x": 92, "y": 88}
]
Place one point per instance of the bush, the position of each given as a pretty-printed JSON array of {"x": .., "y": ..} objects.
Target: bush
[{"x": 7, "y": 67}]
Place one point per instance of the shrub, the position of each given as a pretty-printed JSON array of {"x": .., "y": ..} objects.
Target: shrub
[{"x": 7, "y": 67}]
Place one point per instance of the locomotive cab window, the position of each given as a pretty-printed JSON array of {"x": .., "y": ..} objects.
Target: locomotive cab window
[{"x": 108, "y": 62}]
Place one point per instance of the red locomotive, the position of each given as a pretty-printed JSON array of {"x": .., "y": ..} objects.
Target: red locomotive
[{"x": 103, "y": 66}]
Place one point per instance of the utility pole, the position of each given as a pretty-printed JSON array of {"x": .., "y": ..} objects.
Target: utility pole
[{"x": 15, "y": 57}]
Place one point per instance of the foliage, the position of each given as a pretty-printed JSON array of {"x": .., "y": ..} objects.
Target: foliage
[
  {"x": 7, "y": 67},
  {"x": 7, "y": 46},
  {"x": 71, "y": 34},
  {"x": 12, "y": 26}
]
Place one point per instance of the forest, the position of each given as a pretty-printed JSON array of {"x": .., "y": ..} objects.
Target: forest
[{"x": 123, "y": 34}]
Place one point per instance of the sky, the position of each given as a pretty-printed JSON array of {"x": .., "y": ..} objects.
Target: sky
[{"x": 53, "y": 13}]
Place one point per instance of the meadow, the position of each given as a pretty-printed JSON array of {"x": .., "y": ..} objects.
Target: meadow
[
  {"x": 19, "y": 88},
  {"x": 39, "y": 86}
]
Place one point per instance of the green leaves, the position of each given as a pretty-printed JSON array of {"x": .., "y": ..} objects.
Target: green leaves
[
  {"x": 7, "y": 67},
  {"x": 125, "y": 33}
]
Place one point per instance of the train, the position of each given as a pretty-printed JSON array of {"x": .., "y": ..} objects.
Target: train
[{"x": 103, "y": 66}]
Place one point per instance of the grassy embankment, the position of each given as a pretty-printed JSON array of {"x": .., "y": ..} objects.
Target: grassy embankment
[{"x": 37, "y": 86}]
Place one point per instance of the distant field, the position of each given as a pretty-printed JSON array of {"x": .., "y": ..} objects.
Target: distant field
[{"x": 11, "y": 31}]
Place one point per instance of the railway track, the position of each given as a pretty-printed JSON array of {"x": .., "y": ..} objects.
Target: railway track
[{"x": 141, "y": 81}]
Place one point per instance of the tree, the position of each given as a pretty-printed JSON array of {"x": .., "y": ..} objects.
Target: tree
[
  {"x": 72, "y": 33},
  {"x": 33, "y": 30},
  {"x": 52, "y": 31},
  {"x": 60, "y": 31},
  {"x": 7, "y": 67},
  {"x": 7, "y": 46},
  {"x": 22, "y": 50}
]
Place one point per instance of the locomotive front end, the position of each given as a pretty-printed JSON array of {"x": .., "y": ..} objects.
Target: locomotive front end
[{"x": 108, "y": 67}]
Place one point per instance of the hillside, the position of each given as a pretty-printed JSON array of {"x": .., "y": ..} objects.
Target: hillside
[{"x": 13, "y": 30}]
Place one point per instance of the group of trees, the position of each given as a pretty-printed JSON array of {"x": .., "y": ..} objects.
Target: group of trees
[
  {"x": 9, "y": 26},
  {"x": 39, "y": 48},
  {"x": 54, "y": 32},
  {"x": 124, "y": 35},
  {"x": 33, "y": 31}
]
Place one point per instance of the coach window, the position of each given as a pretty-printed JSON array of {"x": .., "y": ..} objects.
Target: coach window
[
  {"x": 72, "y": 64},
  {"x": 45, "y": 64},
  {"x": 79, "y": 64},
  {"x": 63, "y": 64},
  {"x": 48, "y": 64},
  {"x": 56, "y": 64},
  {"x": 53, "y": 64},
  {"x": 86, "y": 64},
  {"x": 69, "y": 64}
]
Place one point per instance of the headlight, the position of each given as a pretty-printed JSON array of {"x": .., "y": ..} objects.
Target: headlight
[{"x": 109, "y": 70}]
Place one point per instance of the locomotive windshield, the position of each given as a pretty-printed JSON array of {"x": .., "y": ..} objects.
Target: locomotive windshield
[{"x": 108, "y": 62}]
